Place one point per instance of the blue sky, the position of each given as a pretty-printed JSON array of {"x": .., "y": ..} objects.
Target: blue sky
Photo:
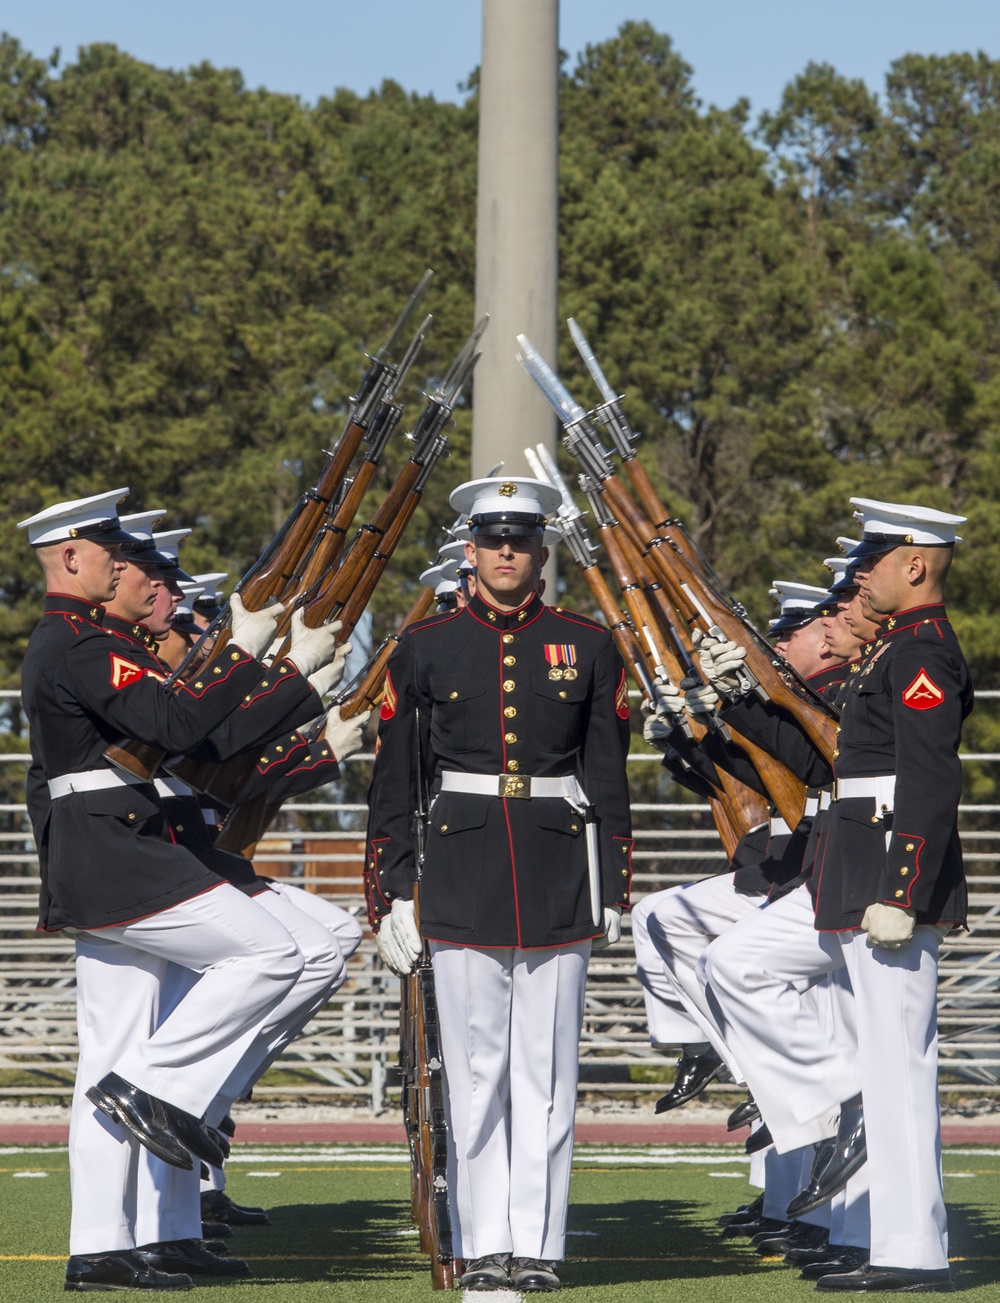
[{"x": 307, "y": 47}]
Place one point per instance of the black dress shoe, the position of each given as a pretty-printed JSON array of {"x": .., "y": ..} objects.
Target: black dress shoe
[
  {"x": 144, "y": 1115},
  {"x": 193, "y": 1133},
  {"x": 848, "y": 1259},
  {"x": 533, "y": 1276},
  {"x": 747, "y": 1230},
  {"x": 122, "y": 1270},
  {"x": 758, "y": 1140},
  {"x": 748, "y": 1213},
  {"x": 905, "y": 1280},
  {"x": 803, "y": 1201},
  {"x": 227, "y": 1126},
  {"x": 217, "y": 1206},
  {"x": 848, "y": 1155},
  {"x": 800, "y": 1235},
  {"x": 220, "y": 1141},
  {"x": 489, "y": 1272},
  {"x": 692, "y": 1076},
  {"x": 215, "y": 1246},
  {"x": 743, "y": 1114},
  {"x": 215, "y": 1231},
  {"x": 802, "y": 1257},
  {"x": 191, "y": 1256}
]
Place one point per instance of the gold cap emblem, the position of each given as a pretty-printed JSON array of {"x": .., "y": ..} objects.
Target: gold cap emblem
[{"x": 507, "y": 489}]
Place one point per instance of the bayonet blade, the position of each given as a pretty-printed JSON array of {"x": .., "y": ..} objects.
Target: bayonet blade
[
  {"x": 405, "y": 317},
  {"x": 591, "y": 362},
  {"x": 560, "y": 399}
]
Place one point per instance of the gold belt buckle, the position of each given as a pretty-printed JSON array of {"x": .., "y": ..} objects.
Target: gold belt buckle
[{"x": 514, "y": 786}]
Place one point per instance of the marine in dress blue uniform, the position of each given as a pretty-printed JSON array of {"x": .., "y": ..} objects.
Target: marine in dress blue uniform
[
  {"x": 888, "y": 884},
  {"x": 521, "y": 712}
]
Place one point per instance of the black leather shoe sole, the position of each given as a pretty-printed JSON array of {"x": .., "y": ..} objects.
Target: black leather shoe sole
[
  {"x": 747, "y": 1230},
  {"x": 845, "y": 1261},
  {"x": 758, "y": 1140},
  {"x": 110, "y": 1272},
  {"x": 693, "y": 1075},
  {"x": 748, "y": 1213},
  {"x": 137, "y": 1112},
  {"x": 218, "y": 1206},
  {"x": 898, "y": 1280},
  {"x": 743, "y": 1115}
]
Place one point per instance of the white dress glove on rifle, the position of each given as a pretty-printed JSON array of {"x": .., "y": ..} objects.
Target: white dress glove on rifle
[
  {"x": 720, "y": 664},
  {"x": 398, "y": 940},
  {"x": 388, "y": 948},
  {"x": 344, "y": 735},
  {"x": 656, "y": 729},
  {"x": 612, "y": 928},
  {"x": 663, "y": 714},
  {"x": 253, "y": 630},
  {"x": 888, "y": 926},
  {"x": 312, "y": 648},
  {"x": 328, "y": 676},
  {"x": 700, "y": 698}
]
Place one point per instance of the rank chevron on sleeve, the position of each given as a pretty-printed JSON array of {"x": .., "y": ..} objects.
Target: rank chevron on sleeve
[
  {"x": 923, "y": 693},
  {"x": 123, "y": 672}
]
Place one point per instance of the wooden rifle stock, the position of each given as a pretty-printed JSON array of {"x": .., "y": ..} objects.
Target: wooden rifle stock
[
  {"x": 368, "y": 693},
  {"x": 665, "y": 556},
  {"x": 424, "y": 1115},
  {"x": 735, "y": 807}
]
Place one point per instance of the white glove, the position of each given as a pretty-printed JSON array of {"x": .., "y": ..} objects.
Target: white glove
[
  {"x": 667, "y": 702},
  {"x": 344, "y": 735},
  {"x": 388, "y": 949},
  {"x": 398, "y": 940},
  {"x": 700, "y": 698},
  {"x": 328, "y": 676},
  {"x": 253, "y": 630},
  {"x": 656, "y": 730},
  {"x": 720, "y": 661},
  {"x": 312, "y": 648},
  {"x": 404, "y": 927},
  {"x": 888, "y": 926},
  {"x": 612, "y": 928}
]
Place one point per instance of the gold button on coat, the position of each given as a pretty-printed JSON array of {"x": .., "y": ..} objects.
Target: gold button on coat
[
  {"x": 510, "y": 738},
  {"x": 510, "y": 660},
  {"x": 510, "y": 711},
  {"x": 509, "y": 685},
  {"x": 508, "y": 637},
  {"x": 513, "y": 766}
]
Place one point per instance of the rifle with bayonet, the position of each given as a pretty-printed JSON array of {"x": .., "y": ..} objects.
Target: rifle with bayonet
[
  {"x": 735, "y": 807},
  {"x": 422, "y": 1064},
  {"x": 345, "y": 593},
  {"x": 693, "y": 591},
  {"x": 276, "y": 569}
]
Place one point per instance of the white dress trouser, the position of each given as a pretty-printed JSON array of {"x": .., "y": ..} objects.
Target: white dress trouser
[
  {"x": 346, "y": 932},
  {"x": 168, "y": 1199},
  {"x": 666, "y": 1018},
  {"x": 755, "y": 976},
  {"x": 510, "y": 1037},
  {"x": 247, "y": 963},
  {"x": 803, "y": 1074},
  {"x": 682, "y": 923}
]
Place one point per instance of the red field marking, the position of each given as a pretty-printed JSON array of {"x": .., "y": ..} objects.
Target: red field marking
[{"x": 390, "y": 1131}]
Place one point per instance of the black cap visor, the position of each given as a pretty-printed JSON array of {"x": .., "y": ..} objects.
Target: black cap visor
[
  {"x": 515, "y": 524},
  {"x": 147, "y": 554}
]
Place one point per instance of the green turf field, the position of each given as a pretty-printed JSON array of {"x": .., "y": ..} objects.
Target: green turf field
[{"x": 642, "y": 1226}]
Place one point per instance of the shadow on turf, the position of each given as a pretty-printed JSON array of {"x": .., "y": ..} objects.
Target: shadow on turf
[
  {"x": 651, "y": 1240},
  {"x": 972, "y": 1234},
  {"x": 359, "y": 1239}
]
